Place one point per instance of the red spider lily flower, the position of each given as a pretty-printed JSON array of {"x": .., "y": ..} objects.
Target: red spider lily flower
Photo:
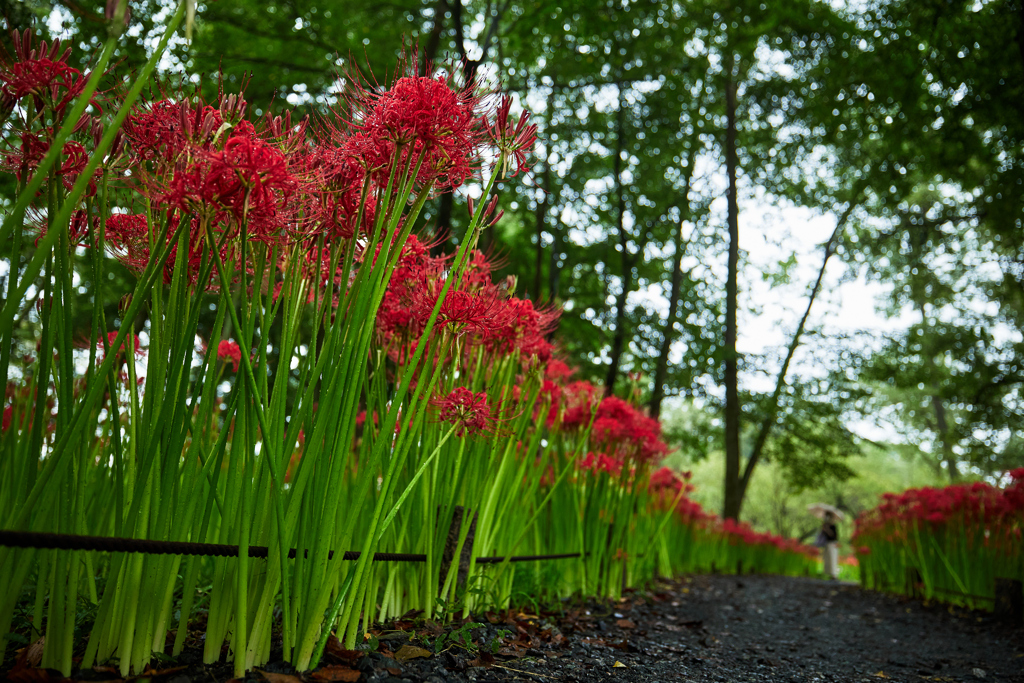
[
  {"x": 551, "y": 392},
  {"x": 665, "y": 478},
  {"x": 427, "y": 117},
  {"x": 337, "y": 187},
  {"x": 469, "y": 412},
  {"x": 247, "y": 179},
  {"x": 478, "y": 271},
  {"x": 23, "y": 162},
  {"x": 36, "y": 71},
  {"x": 230, "y": 352},
  {"x": 579, "y": 397},
  {"x": 557, "y": 370},
  {"x": 525, "y": 332},
  {"x": 8, "y": 415},
  {"x": 42, "y": 73},
  {"x": 514, "y": 141},
  {"x": 461, "y": 312},
  {"x": 110, "y": 338},
  {"x": 155, "y": 131},
  {"x": 127, "y": 237},
  {"x": 36, "y": 76}
]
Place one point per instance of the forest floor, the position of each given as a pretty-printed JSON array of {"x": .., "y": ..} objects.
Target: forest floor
[{"x": 702, "y": 629}]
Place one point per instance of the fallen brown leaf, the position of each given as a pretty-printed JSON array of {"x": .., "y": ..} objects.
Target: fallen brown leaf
[
  {"x": 31, "y": 655},
  {"x": 483, "y": 659},
  {"x": 335, "y": 651},
  {"x": 407, "y": 652},
  {"x": 279, "y": 678},
  {"x": 336, "y": 673},
  {"x": 156, "y": 673},
  {"x": 625, "y": 623},
  {"x": 880, "y": 674}
]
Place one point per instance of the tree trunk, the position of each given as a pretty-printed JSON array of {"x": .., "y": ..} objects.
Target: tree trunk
[
  {"x": 554, "y": 269},
  {"x": 433, "y": 43},
  {"x": 733, "y": 494},
  {"x": 443, "y": 221},
  {"x": 541, "y": 217},
  {"x": 768, "y": 423},
  {"x": 669, "y": 335},
  {"x": 942, "y": 427},
  {"x": 939, "y": 406},
  {"x": 619, "y": 336}
]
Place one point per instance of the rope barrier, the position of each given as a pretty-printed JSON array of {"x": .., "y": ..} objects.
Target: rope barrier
[{"x": 33, "y": 539}]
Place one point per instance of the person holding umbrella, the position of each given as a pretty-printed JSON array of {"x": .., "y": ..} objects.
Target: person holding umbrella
[{"x": 828, "y": 536}]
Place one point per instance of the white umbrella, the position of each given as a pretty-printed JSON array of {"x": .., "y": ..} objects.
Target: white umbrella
[{"x": 819, "y": 510}]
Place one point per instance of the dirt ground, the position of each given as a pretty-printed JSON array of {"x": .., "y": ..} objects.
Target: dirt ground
[{"x": 700, "y": 629}]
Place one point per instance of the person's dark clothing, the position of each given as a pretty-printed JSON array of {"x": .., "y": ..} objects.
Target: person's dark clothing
[{"x": 831, "y": 532}]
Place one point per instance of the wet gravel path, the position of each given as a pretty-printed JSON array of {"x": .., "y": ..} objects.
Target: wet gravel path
[
  {"x": 703, "y": 629},
  {"x": 765, "y": 628}
]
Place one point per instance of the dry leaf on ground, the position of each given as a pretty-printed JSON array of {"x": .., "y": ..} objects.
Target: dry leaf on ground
[{"x": 407, "y": 652}]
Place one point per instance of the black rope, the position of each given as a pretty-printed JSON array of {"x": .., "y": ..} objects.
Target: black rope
[
  {"x": 524, "y": 558},
  {"x": 33, "y": 539}
]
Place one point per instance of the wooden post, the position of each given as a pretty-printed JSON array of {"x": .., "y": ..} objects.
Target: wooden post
[
  {"x": 451, "y": 544},
  {"x": 1009, "y": 600},
  {"x": 912, "y": 583}
]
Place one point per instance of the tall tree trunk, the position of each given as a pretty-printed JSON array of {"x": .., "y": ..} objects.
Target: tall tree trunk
[
  {"x": 942, "y": 427},
  {"x": 768, "y": 422},
  {"x": 443, "y": 217},
  {"x": 445, "y": 204},
  {"x": 433, "y": 44},
  {"x": 541, "y": 214},
  {"x": 733, "y": 494},
  {"x": 939, "y": 406},
  {"x": 675, "y": 292},
  {"x": 541, "y": 219},
  {"x": 619, "y": 336},
  {"x": 554, "y": 267}
]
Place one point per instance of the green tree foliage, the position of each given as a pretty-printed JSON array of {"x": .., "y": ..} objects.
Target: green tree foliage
[{"x": 903, "y": 119}]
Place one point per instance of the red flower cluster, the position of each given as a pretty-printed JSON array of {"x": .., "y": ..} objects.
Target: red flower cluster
[
  {"x": 230, "y": 352},
  {"x": 480, "y": 312},
  {"x": 469, "y": 412},
  {"x": 40, "y": 79},
  {"x": 423, "y": 120},
  {"x": 740, "y": 532},
  {"x": 988, "y": 515},
  {"x": 40, "y": 72},
  {"x": 285, "y": 185}
]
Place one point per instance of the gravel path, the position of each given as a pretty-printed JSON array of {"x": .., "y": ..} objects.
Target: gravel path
[
  {"x": 703, "y": 629},
  {"x": 766, "y": 628}
]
